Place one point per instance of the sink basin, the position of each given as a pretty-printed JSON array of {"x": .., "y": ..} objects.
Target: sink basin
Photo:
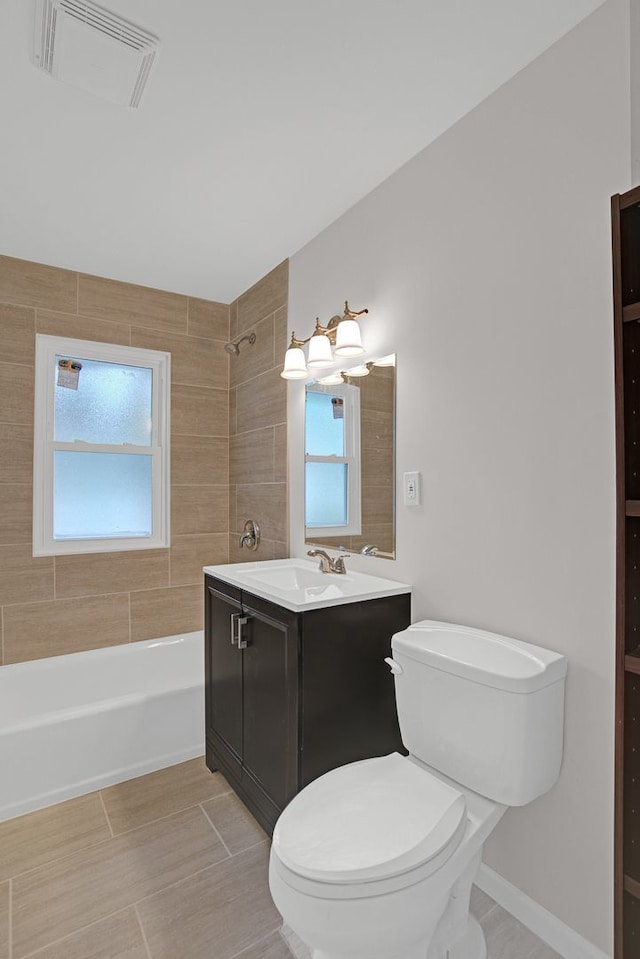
[
  {"x": 298, "y": 584},
  {"x": 288, "y": 577}
]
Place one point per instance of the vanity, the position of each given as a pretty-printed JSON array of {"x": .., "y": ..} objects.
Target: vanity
[{"x": 295, "y": 678}]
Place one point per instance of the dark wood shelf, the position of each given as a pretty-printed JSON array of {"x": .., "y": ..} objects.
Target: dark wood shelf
[
  {"x": 632, "y": 886},
  {"x": 630, "y": 198},
  {"x": 626, "y": 312}
]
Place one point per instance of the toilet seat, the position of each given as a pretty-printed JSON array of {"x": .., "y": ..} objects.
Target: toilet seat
[{"x": 368, "y": 822}]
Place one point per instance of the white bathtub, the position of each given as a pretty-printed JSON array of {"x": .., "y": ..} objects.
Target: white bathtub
[{"x": 72, "y": 724}]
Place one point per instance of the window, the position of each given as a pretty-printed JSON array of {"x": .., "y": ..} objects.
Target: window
[
  {"x": 332, "y": 460},
  {"x": 101, "y": 447}
]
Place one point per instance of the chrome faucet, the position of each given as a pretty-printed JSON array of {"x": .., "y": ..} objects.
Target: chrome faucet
[{"x": 329, "y": 564}]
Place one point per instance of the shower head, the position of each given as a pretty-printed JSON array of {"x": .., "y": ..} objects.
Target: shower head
[{"x": 234, "y": 348}]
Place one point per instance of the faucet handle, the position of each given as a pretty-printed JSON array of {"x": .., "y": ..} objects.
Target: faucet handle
[
  {"x": 338, "y": 563},
  {"x": 250, "y": 536}
]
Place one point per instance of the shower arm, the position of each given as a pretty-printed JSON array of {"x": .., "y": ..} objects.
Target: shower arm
[{"x": 233, "y": 348}]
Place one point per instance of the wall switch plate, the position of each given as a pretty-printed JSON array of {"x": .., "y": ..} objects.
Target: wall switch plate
[{"x": 412, "y": 489}]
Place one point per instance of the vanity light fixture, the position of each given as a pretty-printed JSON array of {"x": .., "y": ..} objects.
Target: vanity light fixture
[
  {"x": 362, "y": 370},
  {"x": 342, "y": 333},
  {"x": 389, "y": 360},
  {"x": 334, "y": 379}
]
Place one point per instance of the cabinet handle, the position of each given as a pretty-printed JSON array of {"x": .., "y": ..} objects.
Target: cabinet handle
[
  {"x": 235, "y": 633},
  {"x": 237, "y": 621},
  {"x": 243, "y": 642}
]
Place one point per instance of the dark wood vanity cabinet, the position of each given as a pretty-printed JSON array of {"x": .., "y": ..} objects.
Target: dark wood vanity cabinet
[
  {"x": 626, "y": 310},
  {"x": 290, "y": 695},
  {"x": 251, "y": 695}
]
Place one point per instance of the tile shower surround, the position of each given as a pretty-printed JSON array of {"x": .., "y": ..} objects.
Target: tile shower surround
[
  {"x": 166, "y": 866},
  {"x": 51, "y": 605},
  {"x": 257, "y": 419}
]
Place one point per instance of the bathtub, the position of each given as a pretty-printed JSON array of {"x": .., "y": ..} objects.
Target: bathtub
[{"x": 72, "y": 724}]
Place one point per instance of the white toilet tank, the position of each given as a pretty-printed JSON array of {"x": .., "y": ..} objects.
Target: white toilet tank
[{"x": 483, "y": 709}]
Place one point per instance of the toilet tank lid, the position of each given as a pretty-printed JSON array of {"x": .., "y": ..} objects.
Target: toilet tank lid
[{"x": 482, "y": 657}]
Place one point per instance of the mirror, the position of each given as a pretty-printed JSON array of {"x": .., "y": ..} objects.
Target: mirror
[{"x": 350, "y": 459}]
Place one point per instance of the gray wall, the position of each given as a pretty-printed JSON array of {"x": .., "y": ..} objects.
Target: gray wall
[{"x": 485, "y": 263}]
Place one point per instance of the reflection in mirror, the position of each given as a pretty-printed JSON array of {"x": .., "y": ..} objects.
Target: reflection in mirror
[{"x": 350, "y": 459}]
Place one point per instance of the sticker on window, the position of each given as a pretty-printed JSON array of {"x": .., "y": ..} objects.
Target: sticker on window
[{"x": 69, "y": 373}]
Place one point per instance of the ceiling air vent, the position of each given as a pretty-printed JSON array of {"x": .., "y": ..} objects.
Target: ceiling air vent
[{"x": 83, "y": 44}]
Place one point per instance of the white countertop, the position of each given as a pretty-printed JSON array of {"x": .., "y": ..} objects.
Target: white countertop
[{"x": 298, "y": 584}]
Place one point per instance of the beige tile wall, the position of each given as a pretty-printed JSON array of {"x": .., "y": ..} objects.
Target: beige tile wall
[
  {"x": 377, "y": 393},
  {"x": 57, "y": 605},
  {"x": 257, "y": 418}
]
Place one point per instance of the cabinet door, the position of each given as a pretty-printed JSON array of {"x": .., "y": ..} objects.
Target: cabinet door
[
  {"x": 270, "y": 700},
  {"x": 223, "y": 666}
]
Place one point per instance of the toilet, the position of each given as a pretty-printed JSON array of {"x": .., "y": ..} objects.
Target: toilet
[{"x": 376, "y": 859}]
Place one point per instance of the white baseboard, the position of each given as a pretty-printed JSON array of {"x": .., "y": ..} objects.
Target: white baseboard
[{"x": 562, "y": 938}]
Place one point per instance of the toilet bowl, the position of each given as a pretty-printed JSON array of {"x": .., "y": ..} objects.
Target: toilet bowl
[
  {"x": 364, "y": 862},
  {"x": 376, "y": 859}
]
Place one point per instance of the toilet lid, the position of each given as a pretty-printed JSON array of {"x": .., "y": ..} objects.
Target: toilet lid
[{"x": 368, "y": 821}]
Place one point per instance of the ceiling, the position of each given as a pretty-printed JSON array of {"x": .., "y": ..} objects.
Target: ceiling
[{"x": 263, "y": 121}]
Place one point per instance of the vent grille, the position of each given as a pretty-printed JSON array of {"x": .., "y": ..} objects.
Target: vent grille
[
  {"x": 47, "y": 38},
  {"x": 108, "y": 23},
  {"x": 99, "y": 35}
]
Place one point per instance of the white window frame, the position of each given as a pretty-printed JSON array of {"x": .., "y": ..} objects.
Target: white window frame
[
  {"x": 47, "y": 347},
  {"x": 353, "y": 526}
]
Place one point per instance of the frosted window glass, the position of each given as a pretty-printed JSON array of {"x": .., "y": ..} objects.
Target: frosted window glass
[
  {"x": 324, "y": 434},
  {"x": 326, "y": 494},
  {"x": 101, "y": 494},
  {"x": 112, "y": 405}
]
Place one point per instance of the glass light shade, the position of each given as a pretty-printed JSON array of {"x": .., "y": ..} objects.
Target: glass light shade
[
  {"x": 334, "y": 379},
  {"x": 389, "y": 360},
  {"x": 362, "y": 370},
  {"x": 348, "y": 340},
  {"x": 295, "y": 367},
  {"x": 320, "y": 355}
]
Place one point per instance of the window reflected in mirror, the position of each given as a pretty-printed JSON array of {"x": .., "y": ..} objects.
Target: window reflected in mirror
[
  {"x": 350, "y": 460},
  {"x": 332, "y": 460}
]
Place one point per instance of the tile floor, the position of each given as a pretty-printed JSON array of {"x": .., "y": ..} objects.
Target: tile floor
[{"x": 167, "y": 866}]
